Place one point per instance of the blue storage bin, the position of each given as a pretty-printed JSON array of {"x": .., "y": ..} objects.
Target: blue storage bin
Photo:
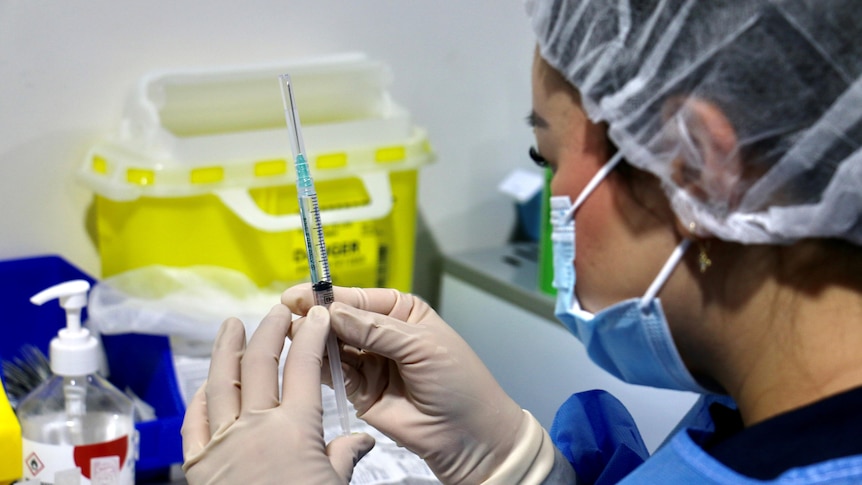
[
  {"x": 142, "y": 363},
  {"x": 530, "y": 217}
]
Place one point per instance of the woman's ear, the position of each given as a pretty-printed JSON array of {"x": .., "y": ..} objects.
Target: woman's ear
[{"x": 708, "y": 164}]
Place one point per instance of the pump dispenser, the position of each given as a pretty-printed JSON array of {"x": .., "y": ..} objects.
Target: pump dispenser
[
  {"x": 77, "y": 427},
  {"x": 74, "y": 352}
]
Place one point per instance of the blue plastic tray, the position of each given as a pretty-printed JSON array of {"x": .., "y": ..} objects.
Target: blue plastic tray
[{"x": 142, "y": 363}]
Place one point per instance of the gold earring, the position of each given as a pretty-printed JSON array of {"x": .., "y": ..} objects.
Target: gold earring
[{"x": 703, "y": 259}]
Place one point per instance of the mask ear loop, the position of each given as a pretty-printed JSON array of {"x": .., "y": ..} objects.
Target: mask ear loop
[
  {"x": 593, "y": 183},
  {"x": 681, "y": 248},
  {"x": 669, "y": 265},
  {"x": 665, "y": 272}
]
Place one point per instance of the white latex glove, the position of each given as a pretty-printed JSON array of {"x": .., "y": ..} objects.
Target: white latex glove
[
  {"x": 237, "y": 431},
  {"x": 419, "y": 382}
]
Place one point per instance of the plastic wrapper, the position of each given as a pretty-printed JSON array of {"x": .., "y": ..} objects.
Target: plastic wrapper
[{"x": 186, "y": 304}]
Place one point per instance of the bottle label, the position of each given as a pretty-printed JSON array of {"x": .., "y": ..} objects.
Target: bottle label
[{"x": 107, "y": 463}]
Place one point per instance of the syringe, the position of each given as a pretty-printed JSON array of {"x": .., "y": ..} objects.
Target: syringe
[{"x": 314, "y": 245}]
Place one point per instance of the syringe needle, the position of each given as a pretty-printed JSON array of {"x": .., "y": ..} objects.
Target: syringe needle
[{"x": 314, "y": 244}]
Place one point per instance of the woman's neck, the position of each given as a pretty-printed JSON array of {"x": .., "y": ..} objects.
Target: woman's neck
[{"x": 790, "y": 347}]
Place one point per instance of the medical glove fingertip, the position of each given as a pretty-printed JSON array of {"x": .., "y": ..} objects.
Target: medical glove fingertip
[
  {"x": 298, "y": 298},
  {"x": 231, "y": 334},
  {"x": 316, "y": 323},
  {"x": 345, "y": 452},
  {"x": 365, "y": 443},
  {"x": 229, "y": 326},
  {"x": 280, "y": 310},
  {"x": 318, "y": 314}
]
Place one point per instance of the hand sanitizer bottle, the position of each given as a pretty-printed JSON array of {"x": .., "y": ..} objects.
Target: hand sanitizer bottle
[{"x": 77, "y": 427}]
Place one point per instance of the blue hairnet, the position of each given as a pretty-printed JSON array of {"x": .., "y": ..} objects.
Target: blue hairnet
[{"x": 784, "y": 73}]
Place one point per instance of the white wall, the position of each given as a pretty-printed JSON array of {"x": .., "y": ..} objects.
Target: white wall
[{"x": 460, "y": 67}]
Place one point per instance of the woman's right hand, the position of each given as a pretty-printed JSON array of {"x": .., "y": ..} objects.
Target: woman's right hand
[{"x": 415, "y": 379}]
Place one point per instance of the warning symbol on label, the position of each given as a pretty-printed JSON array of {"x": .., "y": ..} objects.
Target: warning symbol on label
[{"x": 34, "y": 464}]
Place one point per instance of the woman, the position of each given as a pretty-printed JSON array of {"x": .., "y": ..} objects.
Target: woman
[{"x": 707, "y": 156}]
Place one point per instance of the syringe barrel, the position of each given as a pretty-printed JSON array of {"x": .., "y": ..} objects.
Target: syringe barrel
[{"x": 314, "y": 244}]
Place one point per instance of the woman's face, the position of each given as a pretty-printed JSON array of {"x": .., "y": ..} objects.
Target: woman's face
[{"x": 625, "y": 229}]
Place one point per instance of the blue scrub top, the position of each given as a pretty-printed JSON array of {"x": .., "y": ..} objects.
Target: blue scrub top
[{"x": 595, "y": 432}]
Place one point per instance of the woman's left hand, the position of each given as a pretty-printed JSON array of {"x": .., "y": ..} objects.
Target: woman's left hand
[{"x": 236, "y": 430}]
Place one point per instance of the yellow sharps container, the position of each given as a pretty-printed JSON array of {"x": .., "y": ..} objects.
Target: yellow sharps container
[{"x": 199, "y": 173}]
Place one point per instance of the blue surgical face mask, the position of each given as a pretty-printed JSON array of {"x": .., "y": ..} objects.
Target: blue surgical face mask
[{"x": 630, "y": 339}]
